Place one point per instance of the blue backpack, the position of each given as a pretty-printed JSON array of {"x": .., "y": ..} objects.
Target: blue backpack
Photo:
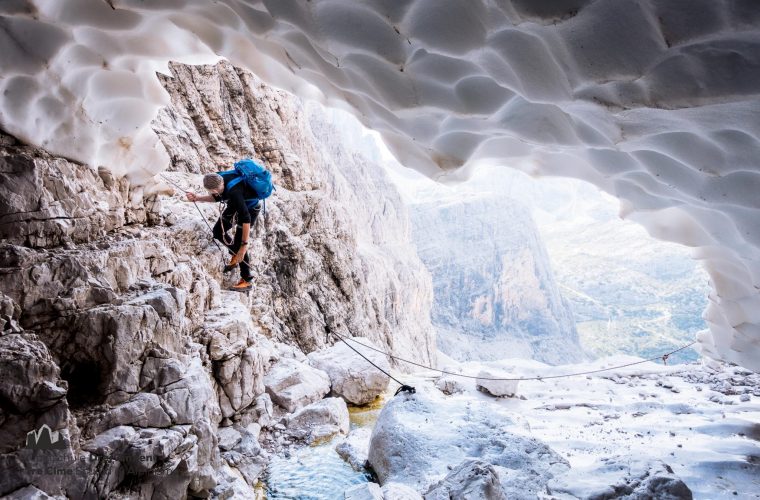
[{"x": 255, "y": 175}]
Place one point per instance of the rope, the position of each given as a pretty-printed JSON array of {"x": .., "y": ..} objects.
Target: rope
[
  {"x": 664, "y": 357},
  {"x": 203, "y": 217},
  {"x": 403, "y": 388}
]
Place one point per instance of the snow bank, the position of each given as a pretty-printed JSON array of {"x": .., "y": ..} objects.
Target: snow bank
[{"x": 654, "y": 102}]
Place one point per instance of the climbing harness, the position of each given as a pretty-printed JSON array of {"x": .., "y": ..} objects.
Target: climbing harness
[{"x": 656, "y": 358}]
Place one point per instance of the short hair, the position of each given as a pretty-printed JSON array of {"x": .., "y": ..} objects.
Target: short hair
[{"x": 213, "y": 181}]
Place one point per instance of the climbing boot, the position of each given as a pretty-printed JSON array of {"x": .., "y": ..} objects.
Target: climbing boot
[{"x": 242, "y": 286}]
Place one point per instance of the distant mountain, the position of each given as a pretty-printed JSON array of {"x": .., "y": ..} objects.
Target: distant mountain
[
  {"x": 494, "y": 292},
  {"x": 629, "y": 293}
]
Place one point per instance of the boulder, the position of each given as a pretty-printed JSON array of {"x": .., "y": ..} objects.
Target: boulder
[
  {"x": 417, "y": 438},
  {"x": 319, "y": 420},
  {"x": 470, "y": 480},
  {"x": 398, "y": 491},
  {"x": 228, "y": 438},
  {"x": 264, "y": 410},
  {"x": 355, "y": 448},
  {"x": 364, "y": 491},
  {"x": 498, "y": 388},
  {"x": 352, "y": 377},
  {"x": 143, "y": 410},
  {"x": 621, "y": 476},
  {"x": 293, "y": 385},
  {"x": 449, "y": 385}
]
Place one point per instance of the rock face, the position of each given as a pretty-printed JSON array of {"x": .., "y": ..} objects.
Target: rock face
[
  {"x": 334, "y": 252},
  {"x": 418, "y": 436},
  {"x": 118, "y": 347},
  {"x": 352, "y": 377},
  {"x": 495, "y": 294}
]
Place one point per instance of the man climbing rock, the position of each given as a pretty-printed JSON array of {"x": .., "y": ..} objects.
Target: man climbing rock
[{"x": 236, "y": 188}]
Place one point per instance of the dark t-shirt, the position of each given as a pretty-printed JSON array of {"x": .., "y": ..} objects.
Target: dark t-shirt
[{"x": 236, "y": 201}]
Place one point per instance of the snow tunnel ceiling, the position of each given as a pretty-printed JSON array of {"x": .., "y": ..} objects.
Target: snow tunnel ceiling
[{"x": 653, "y": 101}]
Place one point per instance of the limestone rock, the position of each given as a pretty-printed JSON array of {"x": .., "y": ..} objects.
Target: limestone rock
[
  {"x": 355, "y": 448},
  {"x": 329, "y": 197},
  {"x": 34, "y": 410},
  {"x": 143, "y": 410},
  {"x": 119, "y": 282},
  {"x": 351, "y": 376},
  {"x": 470, "y": 480},
  {"x": 319, "y": 420},
  {"x": 31, "y": 493},
  {"x": 398, "y": 491},
  {"x": 264, "y": 409},
  {"x": 364, "y": 491},
  {"x": 449, "y": 384},
  {"x": 621, "y": 477},
  {"x": 228, "y": 438},
  {"x": 294, "y": 385},
  {"x": 48, "y": 201},
  {"x": 498, "y": 388},
  {"x": 418, "y": 436}
]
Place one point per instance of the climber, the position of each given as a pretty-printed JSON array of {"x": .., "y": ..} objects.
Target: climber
[{"x": 242, "y": 210}]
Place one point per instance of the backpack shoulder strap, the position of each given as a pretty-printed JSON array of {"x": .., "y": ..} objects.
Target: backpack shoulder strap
[
  {"x": 234, "y": 182},
  {"x": 231, "y": 174}
]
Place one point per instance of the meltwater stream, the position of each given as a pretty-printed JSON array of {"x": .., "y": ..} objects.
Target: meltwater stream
[{"x": 317, "y": 472}]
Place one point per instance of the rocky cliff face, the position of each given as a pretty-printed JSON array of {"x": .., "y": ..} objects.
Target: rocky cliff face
[
  {"x": 495, "y": 294},
  {"x": 116, "y": 333},
  {"x": 334, "y": 253}
]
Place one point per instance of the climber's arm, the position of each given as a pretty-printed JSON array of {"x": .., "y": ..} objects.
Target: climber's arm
[{"x": 196, "y": 197}]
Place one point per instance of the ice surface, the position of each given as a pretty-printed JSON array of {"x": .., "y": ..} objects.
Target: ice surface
[{"x": 654, "y": 102}]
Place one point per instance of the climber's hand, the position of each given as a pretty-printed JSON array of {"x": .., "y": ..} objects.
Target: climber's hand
[{"x": 191, "y": 196}]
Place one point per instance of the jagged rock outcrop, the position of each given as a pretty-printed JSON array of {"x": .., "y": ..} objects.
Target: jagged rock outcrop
[
  {"x": 334, "y": 252},
  {"x": 115, "y": 332},
  {"x": 495, "y": 293}
]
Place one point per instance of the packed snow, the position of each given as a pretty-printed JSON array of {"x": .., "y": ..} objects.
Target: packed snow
[
  {"x": 700, "y": 420},
  {"x": 654, "y": 102}
]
